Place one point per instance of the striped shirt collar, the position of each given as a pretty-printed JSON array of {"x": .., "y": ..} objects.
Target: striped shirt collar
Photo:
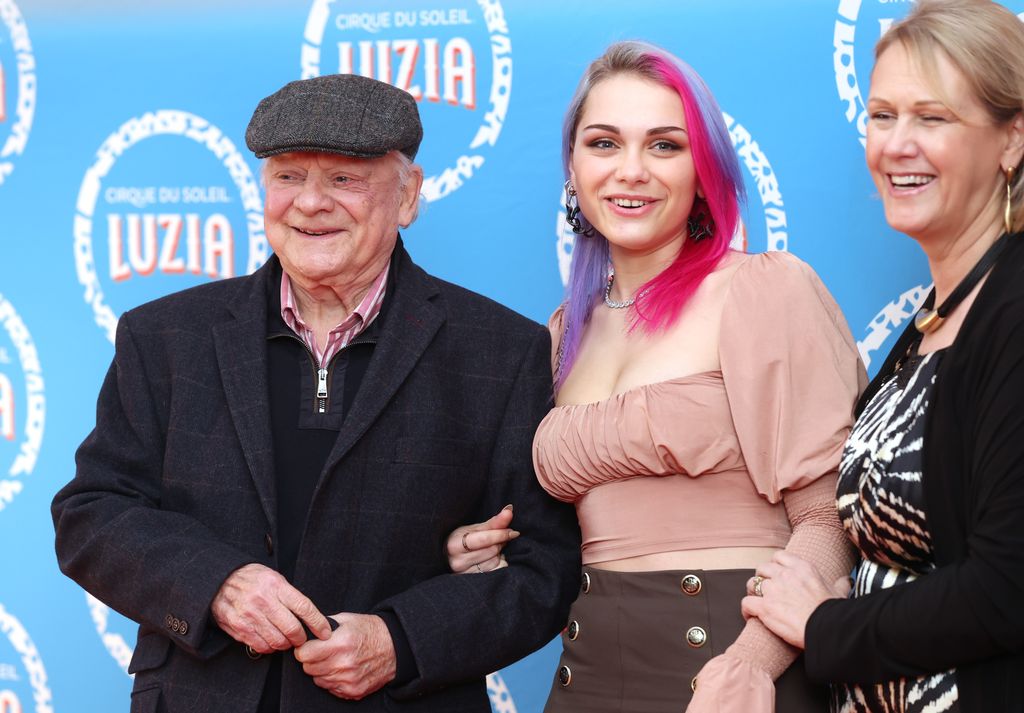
[{"x": 343, "y": 334}]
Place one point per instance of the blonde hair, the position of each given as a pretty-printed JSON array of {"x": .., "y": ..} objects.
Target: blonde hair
[{"x": 985, "y": 41}]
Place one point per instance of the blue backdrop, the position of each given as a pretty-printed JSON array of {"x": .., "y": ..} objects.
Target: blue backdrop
[{"x": 123, "y": 176}]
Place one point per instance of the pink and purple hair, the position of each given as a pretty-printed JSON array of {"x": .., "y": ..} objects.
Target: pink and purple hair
[{"x": 661, "y": 300}]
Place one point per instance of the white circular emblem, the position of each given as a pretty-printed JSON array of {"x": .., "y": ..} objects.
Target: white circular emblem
[
  {"x": 25, "y": 87},
  {"x": 115, "y": 644},
  {"x": 766, "y": 182},
  {"x": 22, "y": 351},
  {"x": 501, "y": 698},
  {"x": 161, "y": 123},
  {"x": 10, "y": 678},
  {"x": 426, "y": 67},
  {"x": 844, "y": 63},
  {"x": 890, "y": 320},
  {"x": 764, "y": 179}
]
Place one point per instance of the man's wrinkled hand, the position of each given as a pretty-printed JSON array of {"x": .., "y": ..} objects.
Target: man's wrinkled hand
[
  {"x": 357, "y": 659},
  {"x": 258, "y": 607}
]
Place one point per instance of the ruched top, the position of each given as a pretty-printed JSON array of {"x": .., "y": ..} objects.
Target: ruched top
[{"x": 701, "y": 460}]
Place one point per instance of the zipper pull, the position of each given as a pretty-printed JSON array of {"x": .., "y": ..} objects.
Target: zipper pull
[{"x": 321, "y": 383}]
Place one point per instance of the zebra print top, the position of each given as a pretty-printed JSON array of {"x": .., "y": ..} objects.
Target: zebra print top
[{"x": 881, "y": 504}]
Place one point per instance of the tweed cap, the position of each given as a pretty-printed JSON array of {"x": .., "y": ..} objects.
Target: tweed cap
[{"x": 337, "y": 113}]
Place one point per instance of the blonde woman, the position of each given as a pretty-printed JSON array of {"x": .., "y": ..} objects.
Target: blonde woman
[{"x": 931, "y": 487}]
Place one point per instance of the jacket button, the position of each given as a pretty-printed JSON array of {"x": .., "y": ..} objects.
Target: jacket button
[
  {"x": 564, "y": 676},
  {"x": 696, "y": 637},
  {"x": 574, "y": 630},
  {"x": 691, "y": 584},
  {"x": 168, "y": 621},
  {"x": 586, "y": 582},
  {"x": 268, "y": 542},
  {"x": 183, "y": 629}
]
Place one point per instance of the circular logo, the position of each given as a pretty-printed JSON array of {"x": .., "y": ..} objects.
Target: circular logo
[
  {"x": 113, "y": 641},
  {"x": 766, "y": 183},
  {"x": 762, "y": 179},
  {"x": 158, "y": 194},
  {"x": 872, "y": 18},
  {"x": 889, "y": 321},
  {"x": 23, "y": 685},
  {"x": 17, "y": 87},
  {"x": 22, "y": 403},
  {"x": 501, "y": 698},
  {"x": 434, "y": 52}
]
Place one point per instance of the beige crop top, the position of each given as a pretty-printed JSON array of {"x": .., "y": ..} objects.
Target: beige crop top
[{"x": 700, "y": 461}]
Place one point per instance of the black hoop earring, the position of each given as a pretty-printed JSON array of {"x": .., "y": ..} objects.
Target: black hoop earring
[
  {"x": 699, "y": 224},
  {"x": 572, "y": 211},
  {"x": 698, "y": 230}
]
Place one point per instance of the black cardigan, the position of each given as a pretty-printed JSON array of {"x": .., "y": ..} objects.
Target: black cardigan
[{"x": 968, "y": 613}]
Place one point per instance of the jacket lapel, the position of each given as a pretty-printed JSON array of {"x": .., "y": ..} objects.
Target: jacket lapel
[
  {"x": 407, "y": 329},
  {"x": 241, "y": 346}
]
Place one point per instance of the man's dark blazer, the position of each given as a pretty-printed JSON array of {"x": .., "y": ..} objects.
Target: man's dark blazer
[{"x": 175, "y": 489}]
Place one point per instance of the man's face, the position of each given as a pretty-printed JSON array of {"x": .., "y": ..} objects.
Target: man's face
[{"x": 333, "y": 220}]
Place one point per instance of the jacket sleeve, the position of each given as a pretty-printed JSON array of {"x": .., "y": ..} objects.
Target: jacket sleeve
[
  {"x": 157, "y": 567},
  {"x": 464, "y": 627},
  {"x": 968, "y": 610}
]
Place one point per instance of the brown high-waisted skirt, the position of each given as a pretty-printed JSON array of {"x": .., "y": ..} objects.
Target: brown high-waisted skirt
[{"x": 636, "y": 640}]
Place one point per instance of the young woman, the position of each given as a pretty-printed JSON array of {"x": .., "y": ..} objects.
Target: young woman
[{"x": 702, "y": 398}]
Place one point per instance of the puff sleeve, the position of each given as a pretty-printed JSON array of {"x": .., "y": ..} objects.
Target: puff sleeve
[
  {"x": 792, "y": 376},
  {"x": 791, "y": 370}
]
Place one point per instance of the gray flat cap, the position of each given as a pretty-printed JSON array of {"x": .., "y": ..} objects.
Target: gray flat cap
[{"x": 338, "y": 113}]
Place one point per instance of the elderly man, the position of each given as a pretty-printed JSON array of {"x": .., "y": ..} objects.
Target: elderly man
[{"x": 299, "y": 443}]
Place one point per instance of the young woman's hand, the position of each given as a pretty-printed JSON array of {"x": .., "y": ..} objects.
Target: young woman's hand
[{"x": 475, "y": 549}]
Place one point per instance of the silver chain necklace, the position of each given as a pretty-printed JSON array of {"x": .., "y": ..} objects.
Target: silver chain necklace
[{"x": 609, "y": 302}]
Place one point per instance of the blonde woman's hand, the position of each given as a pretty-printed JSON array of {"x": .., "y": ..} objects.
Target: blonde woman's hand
[{"x": 785, "y": 592}]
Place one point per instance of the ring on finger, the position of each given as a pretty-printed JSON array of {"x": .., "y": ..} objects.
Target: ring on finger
[
  {"x": 465, "y": 545},
  {"x": 479, "y": 568},
  {"x": 758, "y": 581}
]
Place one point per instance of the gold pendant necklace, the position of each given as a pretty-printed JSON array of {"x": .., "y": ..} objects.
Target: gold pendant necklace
[{"x": 928, "y": 320}]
